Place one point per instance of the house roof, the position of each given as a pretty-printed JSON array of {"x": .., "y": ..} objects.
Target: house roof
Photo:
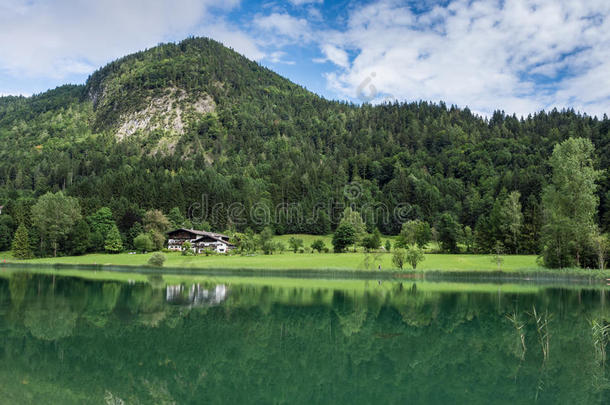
[
  {"x": 214, "y": 238},
  {"x": 201, "y": 233}
]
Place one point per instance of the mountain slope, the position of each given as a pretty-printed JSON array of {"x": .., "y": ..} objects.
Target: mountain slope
[{"x": 181, "y": 123}]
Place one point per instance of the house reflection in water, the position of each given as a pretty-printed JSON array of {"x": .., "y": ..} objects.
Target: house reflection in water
[{"x": 195, "y": 295}]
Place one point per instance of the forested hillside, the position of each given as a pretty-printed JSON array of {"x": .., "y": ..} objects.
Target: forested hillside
[{"x": 197, "y": 123}]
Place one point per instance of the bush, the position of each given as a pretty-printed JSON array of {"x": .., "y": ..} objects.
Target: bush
[
  {"x": 187, "y": 249},
  {"x": 415, "y": 255},
  {"x": 157, "y": 260},
  {"x": 143, "y": 243},
  {"x": 295, "y": 244},
  {"x": 372, "y": 242},
  {"x": 399, "y": 257},
  {"x": 414, "y": 232},
  {"x": 209, "y": 251},
  {"x": 344, "y": 236},
  {"x": 318, "y": 245},
  {"x": 388, "y": 245}
]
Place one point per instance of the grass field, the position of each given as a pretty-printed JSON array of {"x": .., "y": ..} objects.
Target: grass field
[{"x": 300, "y": 261}]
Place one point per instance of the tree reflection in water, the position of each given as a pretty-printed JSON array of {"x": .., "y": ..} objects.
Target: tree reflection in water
[{"x": 77, "y": 341}]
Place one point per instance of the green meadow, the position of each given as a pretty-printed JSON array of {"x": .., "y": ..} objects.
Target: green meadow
[{"x": 300, "y": 261}]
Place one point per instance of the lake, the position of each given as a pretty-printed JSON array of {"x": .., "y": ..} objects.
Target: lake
[{"x": 192, "y": 340}]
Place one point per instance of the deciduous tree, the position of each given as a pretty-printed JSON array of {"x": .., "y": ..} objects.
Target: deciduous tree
[
  {"x": 55, "y": 214},
  {"x": 570, "y": 203},
  {"x": 344, "y": 236}
]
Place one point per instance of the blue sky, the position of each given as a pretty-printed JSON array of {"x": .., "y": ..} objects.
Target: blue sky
[{"x": 520, "y": 56}]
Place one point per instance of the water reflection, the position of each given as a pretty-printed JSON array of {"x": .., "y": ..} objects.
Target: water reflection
[
  {"x": 70, "y": 340},
  {"x": 195, "y": 295}
]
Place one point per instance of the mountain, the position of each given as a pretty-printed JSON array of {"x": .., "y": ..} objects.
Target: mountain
[{"x": 197, "y": 126}]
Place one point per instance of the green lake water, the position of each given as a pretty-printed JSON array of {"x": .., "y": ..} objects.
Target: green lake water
[{"x": 69, "y": 340}]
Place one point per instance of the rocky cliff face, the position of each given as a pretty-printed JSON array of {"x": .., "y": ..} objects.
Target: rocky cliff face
[{"x": 169, "y": 112}]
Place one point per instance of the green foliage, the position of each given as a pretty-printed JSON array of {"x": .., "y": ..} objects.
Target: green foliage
[
  {"x": 157, "y": 259},
  {"x": 414, "y": 255},
  {"x": 136, "y": 230},
  {"x": 176, "y": 218},
  {"x": 244, "y": 242},
  {"x": 570, "y": 204},
  {"x": 372, "y": 242},
  {"x": 55, "y": 214},
  {"x": 354, "y": 219},
  {"x": 6, "y": 232},
  {"x": 601, "y": 245},
  {"x": 468, "y": 239},
  {"x": 143, "y": 243},
  {"x": 414, "y": 232},
  {"x": 448, "y": 233},
  {"x": 79, "y": 241},
  {"x": 101, "y": 222},
  {"x": 113, "y": 243},
  {"x": 318, "y": 245},
  {"x": 295, "y": 244},
  {"x": 344, "y": 236},
  {"x": 187, "y": 249},
  {"x": 497, "y": 255},
  {"x": 388, "y": 245},
  {"x": 156, "y": 224},
  {"x": 399, "y": 258},
  {"x": 155, "y": 220},
  {"x": 21, "y": 243},
  {"x": 265, "y": 241},
  {"x": 513, "y": 216}
]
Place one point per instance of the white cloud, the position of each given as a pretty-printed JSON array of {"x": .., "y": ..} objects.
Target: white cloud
[
  {"x": 303, "y": 2},
  {"x": 64, "y": 37},
  {"x": 284, "y": 28},
  {"x": 229, "y": 36},
  {"x": 480, "y": 54},
  {"x": 335, "y": 55},
  {"x": 279, "y": 57}
]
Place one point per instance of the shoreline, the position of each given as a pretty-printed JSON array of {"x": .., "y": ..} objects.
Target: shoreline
[{"x": 575, "y": 276}]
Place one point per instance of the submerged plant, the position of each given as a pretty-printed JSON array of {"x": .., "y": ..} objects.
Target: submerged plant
[
  {"x": 520, "y": 329},
  {"x": 600, "y": 332},
  {"x": 601, "y": 335},
  {"x": 542, "y": 328}
]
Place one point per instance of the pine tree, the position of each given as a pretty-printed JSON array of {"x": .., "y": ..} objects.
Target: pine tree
[
  {"x": 113, "y": 243},
  {"x": 21, "y": 243}
]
